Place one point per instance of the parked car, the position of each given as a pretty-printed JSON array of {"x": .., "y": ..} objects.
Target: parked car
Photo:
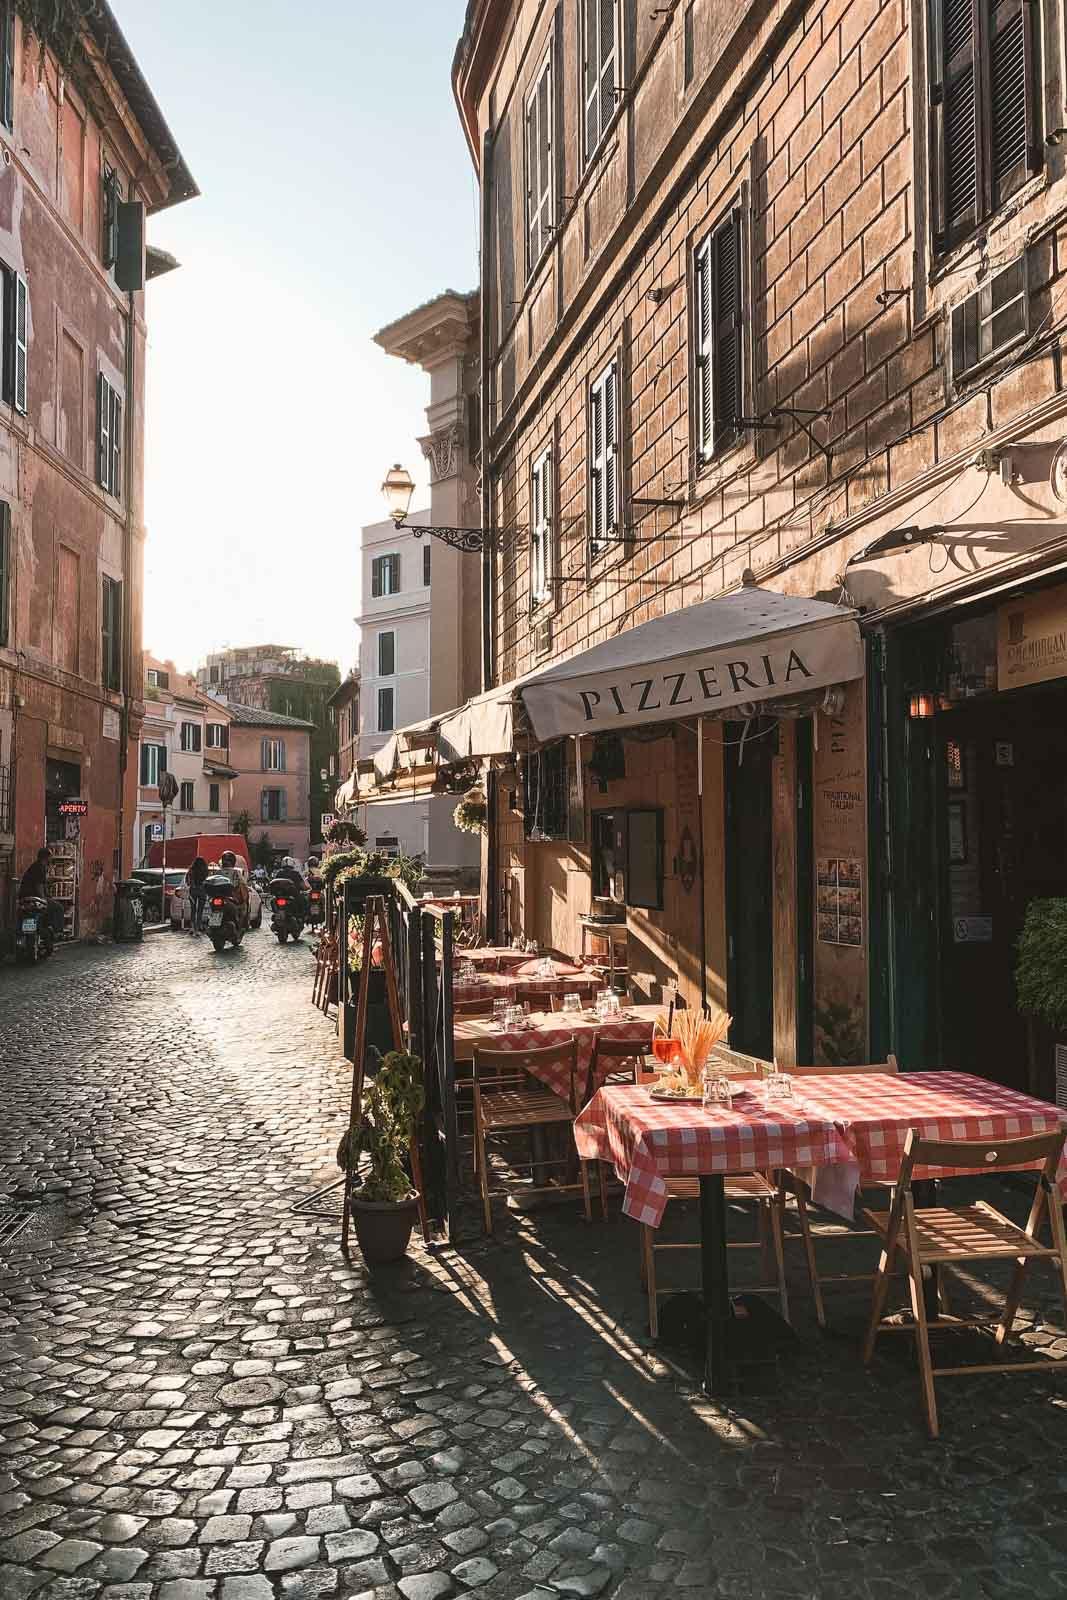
[
  {"x": 156, "y": 897},
  {"x": 180, "y": 911}
]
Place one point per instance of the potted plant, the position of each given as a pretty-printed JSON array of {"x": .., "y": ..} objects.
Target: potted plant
[
  {"x": 341, "y": 832},
  {"x": 1041, "y": 980},
  {"x": 470, "y": 815},
  {"x": 384, "y": 1203}
]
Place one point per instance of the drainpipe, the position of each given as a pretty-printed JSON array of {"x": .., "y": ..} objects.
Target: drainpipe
[
  {"x": 127, "y": 575},
  {"x": 488, "y": 554}
]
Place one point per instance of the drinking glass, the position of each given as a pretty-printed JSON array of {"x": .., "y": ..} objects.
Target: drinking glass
[
  {"x": 611, "y": 1003},
  {"x": 778, "y": 1089},
  {"x": 500, "y": 1013},
  {"x": 716, "y": 1092},
  {"x": 572, "y": 1002}
]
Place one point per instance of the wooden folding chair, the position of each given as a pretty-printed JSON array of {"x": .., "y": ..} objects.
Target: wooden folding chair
[
  {"x": 792, "y": 1185},
  {"x": 939, "y": 1236},
  {"x": 506, "y": 1103},
  {"x": 742, "y": 1187},
  {"x": 630, "y": 1055},
  {"x": 537, "y": 999}
]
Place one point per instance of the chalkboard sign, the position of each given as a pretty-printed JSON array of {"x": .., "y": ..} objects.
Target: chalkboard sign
[{"x": 644, "y": 858}]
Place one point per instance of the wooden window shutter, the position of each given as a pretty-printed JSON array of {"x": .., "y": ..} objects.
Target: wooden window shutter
[
  {"x": 541, "y": 519},
  {"x": 7, "y": 66},
  {"x": 591, "y": 77},
  {"x": 6, "y": 562},
  {"x": 727, "y": 311},
  {"x": 21, "y": 351},
  {"x": 544, "y": 152},
  {"x": 611, "y": 450},
  {"x": 264, "y": 805},
  {"x": 703, "y": 349},
  {"x": 956, "y": 146},
  {"x": 116, "y": 444},
  {"x": 596, "y": 466},
  {"x": 283, "y": 805},
  {"x": 533, "y": 215},
  {"x": 1012, "y": 154},
  {"x": 264, "y": 754},
  {"x": 281, "y": 755},
  {"x": 608, "y": 14},
  {"x": 376, "y": 578},
  {"x": 103, "y": 432}
]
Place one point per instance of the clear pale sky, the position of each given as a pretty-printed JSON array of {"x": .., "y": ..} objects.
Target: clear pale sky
[{"x": 337, "y": 194}]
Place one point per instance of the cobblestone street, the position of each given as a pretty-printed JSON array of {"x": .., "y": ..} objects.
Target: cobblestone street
[{"x": 199, "y": 1399}]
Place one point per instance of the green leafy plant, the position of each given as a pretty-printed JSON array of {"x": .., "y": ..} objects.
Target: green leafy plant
[
  {"x": 339, "y": 861},
  {"x": 392, "y": 1101},
  {"x": 263, "y": 851},
  {"x": 242, "y": 824},
  {"x": 471, "y": 813},
  {"x": 1041, "y": 965},
  {"x": 342, "y": 832}
]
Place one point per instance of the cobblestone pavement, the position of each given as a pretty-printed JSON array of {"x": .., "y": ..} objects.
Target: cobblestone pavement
[{"x": 199, "y": 1399}]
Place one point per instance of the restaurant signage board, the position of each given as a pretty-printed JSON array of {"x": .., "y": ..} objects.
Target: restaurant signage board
[
  {"x": 1032, "y": 639},
  {"x": 839, "y": 836}
]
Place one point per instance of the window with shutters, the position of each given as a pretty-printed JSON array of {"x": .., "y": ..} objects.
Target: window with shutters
[
  {"x": 153, "y": 762},
  {"x": 273, "y": 755},
  {"x": 600, "y": 70},
  {"x": 186, "y": 798},
  {"x": 111, "y": 634},
  {"x": 213, "y": 793},
  {"x": 157, "y": 679},
  {"x": 191, "y": 735},
  {"x": 7, "y": 63},
  {"x": 540, "y": 177},
  {"x": 7, "y": 554},
  {"x": 990, "y": 321},
  {"x": 272, "y": 805},
  {"x": 719, "y": 343},
  {"x": 541, "y": 529},
  {"x": 16, "y": 337},
  {"x": 604, "y": 519},
  {"x": 218, "y": 736},
  {"x": 386, "y": 654},
  {"x": 108, "y": 437},
  {"x": 386, "y": 711},
  {"x": 384, "y": 576},
  {"x": 111, "y": 187},
  {"x": 985, "y": 136}
]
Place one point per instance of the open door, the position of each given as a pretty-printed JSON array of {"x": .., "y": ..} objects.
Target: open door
[{"x": 749, "y": 749}]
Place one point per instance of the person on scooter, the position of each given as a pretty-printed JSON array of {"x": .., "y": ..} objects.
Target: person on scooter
[
  {"x": 194, "y": 879},
  {"x": 34, "y": 884},
  {"x": 228, "y": 869},
  {"x": 290, "y": 870}
]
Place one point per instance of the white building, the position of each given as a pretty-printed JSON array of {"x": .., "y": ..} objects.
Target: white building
[{"x": 420, "y": 632}]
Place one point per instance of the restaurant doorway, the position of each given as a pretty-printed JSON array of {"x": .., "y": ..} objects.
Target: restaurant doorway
[
  {"x": 978, "y": 829},
  {"x": 748, "y": 753}
]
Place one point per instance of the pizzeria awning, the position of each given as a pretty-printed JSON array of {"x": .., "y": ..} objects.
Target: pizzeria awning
[{"x": 741, "y": 649}]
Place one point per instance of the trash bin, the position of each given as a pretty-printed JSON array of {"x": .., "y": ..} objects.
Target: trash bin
[{"x": 129, "y": 911}]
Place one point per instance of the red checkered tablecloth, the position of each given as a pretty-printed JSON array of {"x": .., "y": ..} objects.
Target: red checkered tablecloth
[
  {"x": 875, "y": 1110},
  {"x": 546, "y": 1030},
  {"x": 647, "y": 1141},
  {"x": 501, "y": 986}
]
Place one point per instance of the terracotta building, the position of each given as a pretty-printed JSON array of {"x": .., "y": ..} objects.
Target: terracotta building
[
  {"x": 343, "y": 713},
  {"x": 187, "y": 734},
  {"x": 772, "y": 301},
  {"x": 271, "y": 757},
  {"x": 84, "y": 154}
]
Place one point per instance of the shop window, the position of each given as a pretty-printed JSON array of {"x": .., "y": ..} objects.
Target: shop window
[
  {"x": 604, "y": 860},
  {"x": 984, "y": 93},
  {"x": 552, "y": 808},
  {"x": 644, "y": 858}
]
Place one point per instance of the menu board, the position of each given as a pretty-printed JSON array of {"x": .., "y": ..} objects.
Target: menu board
[
  {"x": 839, "y": 827},
  {"x": 839, "y": 900}
]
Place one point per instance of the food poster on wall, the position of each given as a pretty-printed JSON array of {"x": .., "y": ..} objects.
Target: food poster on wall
[{"x": 839, "y": 829}]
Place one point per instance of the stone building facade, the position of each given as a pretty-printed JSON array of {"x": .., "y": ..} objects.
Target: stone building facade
[
  {"x": 84, "y": 153},
  {"x": 777, "y": 291}
]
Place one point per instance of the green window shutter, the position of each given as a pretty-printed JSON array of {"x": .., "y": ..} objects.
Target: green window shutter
[
  {"x": 283, "y": 806},
  {"x": 103, "y": 432},
  {"x": 7, "y": 65},
  {"x": 116, "y": 445},
  {"x": 21, "y": 346},
  {"x": 281, "y": 755},
  {"x": 702, "y": 342},
  {"x": 727, "y": 309},
  {"x": 264, "y": 806},
  {"x": 264, "y": 755}
]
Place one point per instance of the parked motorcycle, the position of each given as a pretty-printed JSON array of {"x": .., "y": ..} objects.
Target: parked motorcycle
[
  {"x": 287, "y": 920},
  {"x": 34, "y": 938},
  {"x": 224, "y": 912}
]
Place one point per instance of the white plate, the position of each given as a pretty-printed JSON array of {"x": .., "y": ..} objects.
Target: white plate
[{"x": 659, "y": 1094}]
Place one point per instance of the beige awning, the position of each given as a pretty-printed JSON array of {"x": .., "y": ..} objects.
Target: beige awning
[
  {"x": 739, "y": 650},
  {"x": 481, "y": 728}
]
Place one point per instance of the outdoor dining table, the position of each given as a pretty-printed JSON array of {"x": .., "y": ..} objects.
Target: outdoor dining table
[
  {"x": 634, "y": 1025},
  {"x": 848, "y": 1128},
  {"x": 513, "y": 986}
]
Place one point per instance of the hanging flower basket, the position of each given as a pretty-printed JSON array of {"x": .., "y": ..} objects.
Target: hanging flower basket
[{"x": 472, "y": 812}]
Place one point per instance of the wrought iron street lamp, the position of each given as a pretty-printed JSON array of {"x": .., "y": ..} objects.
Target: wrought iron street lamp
[{"x": 398, "y": 488}]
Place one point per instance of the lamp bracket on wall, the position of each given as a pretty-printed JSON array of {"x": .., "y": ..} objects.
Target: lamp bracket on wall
[{"x": 472, "y": 541}]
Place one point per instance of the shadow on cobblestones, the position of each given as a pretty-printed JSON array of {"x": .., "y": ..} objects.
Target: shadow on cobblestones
[{"x": 200, "y": 1400}]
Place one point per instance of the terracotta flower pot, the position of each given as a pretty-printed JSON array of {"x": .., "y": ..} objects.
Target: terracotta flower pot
[{"x": 383, "y": 1228}]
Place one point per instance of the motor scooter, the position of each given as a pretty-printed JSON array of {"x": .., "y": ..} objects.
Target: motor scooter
[
  {"x": 287, "y": 902},
  {"x": 225, "y": 916},
  {"x": 34, "y": 938}
]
